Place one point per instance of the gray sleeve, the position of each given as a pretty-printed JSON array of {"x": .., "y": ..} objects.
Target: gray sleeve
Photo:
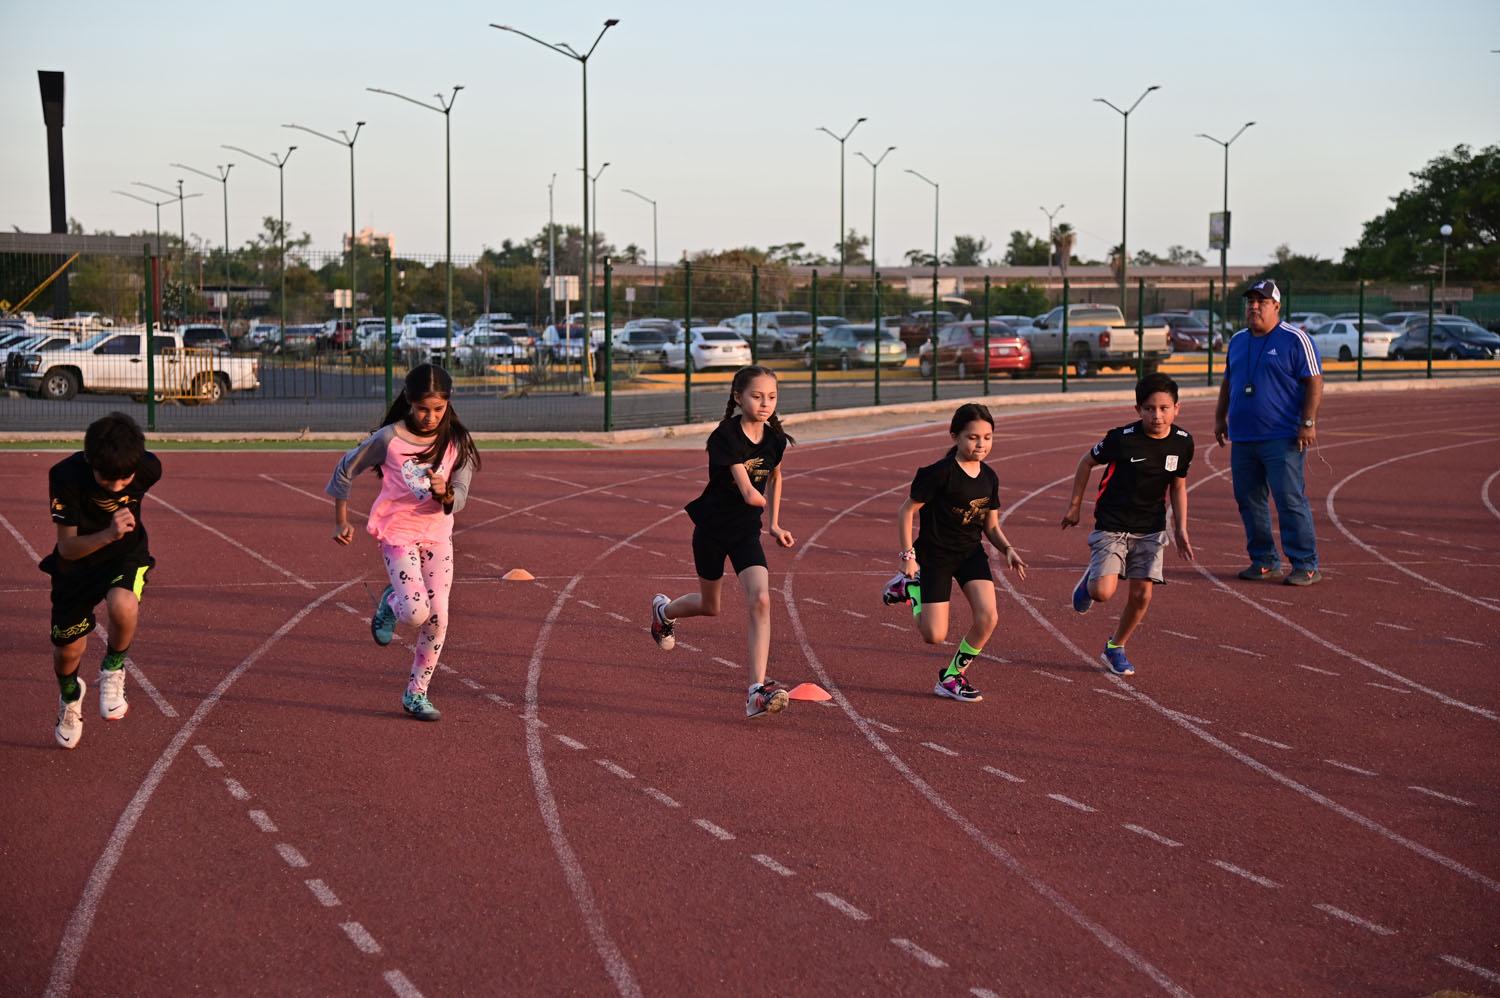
[
  {"x": 459, "y": 483},
  {"x": 369, "y": 453}
]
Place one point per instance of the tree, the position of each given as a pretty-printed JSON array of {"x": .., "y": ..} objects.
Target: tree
[
  {"x": 1026, "y": 250},
  {"x": 1181, "y": 256},
  {"x": 1021, "y": 298},
  {"x": 919, "y": 258},
  {"x": 795, "y": 254},
  {"x": 854, "y": 248},
  {"x": 968, "y": 251}
]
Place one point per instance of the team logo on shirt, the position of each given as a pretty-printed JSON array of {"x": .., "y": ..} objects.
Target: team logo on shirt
[
  {"x": 108, "y": 504},
  {"x": 1171, "y": 462},
  {"x": 756, "y": 468},
  {"x": 976, "y": 510},
  {"x": 58, "y": 507}
]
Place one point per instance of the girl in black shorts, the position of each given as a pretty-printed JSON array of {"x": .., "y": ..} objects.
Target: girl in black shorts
[
  {"x": 958, "y": 503},
  {"x": 744, "y": 477}
]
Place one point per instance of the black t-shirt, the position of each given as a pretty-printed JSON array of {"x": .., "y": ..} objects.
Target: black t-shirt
[
  {"x": 1133, "y": 492},
  {"x": 78, "y": 500},
  {"x": 721, "y": 508},
  {"x": 954, "y": 507}
]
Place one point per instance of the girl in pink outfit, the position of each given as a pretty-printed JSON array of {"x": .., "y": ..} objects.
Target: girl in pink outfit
[{"x": 424, "y": 458}]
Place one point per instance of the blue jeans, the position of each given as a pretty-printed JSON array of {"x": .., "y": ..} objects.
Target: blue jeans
[{"x": 1273, "y": 468}]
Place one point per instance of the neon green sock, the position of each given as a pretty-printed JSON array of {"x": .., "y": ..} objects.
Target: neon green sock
[
  {"x": 68, "y": 687},
  {"x": 961, "y": 658},
  {"x": 1110, "y": 643},
  {"x": 914, "y": 590},
  {"x": 113, "y": 660}
]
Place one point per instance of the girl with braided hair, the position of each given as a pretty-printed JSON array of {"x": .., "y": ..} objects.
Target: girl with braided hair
[{"x": 744, "y": 477}]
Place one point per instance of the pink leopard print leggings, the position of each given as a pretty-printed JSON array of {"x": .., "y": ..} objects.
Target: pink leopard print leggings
[{"x": 421, "y": 575}]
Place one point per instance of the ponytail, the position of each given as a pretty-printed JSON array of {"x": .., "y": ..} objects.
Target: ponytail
[
  {"x": 426, "y": 381},
  {"x": 742, "y": 379}
]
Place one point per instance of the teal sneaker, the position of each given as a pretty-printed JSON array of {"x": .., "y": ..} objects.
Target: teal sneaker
[
  {"x": 383, "y": 620},
  {"x": 418, "y": 706}
]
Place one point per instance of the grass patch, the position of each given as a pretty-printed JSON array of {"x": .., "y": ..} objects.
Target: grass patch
[{"x": 76, "y": 443}]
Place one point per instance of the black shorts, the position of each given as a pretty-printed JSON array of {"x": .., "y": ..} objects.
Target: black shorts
[
  {"x": 938, "y": 573},
  {"x": 76, "y": 591},
  {"x": 710, "y": 550}
]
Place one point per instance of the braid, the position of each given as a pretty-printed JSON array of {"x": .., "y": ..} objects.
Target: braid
[
  {"x": 729, "y": 407},
  {"x": 775, "y": 424}
]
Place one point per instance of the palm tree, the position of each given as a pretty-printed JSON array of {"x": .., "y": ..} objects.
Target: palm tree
[{"x": 1063, "y": 238}]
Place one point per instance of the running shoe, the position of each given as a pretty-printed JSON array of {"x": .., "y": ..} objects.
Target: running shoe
[
  {"x": 1114, "y": 657},
  {"x": 767, "y": 698},
  {"x": 69, "y": 730},
  {"x": 1303, "y": 577},
  {"x": 1261, "y": 573},
  {"x": 383, "y": 620},
  {"x": 1081, "y": 598},
  {"x": 956, "y": 687},
  {"x": 418, "y": 706},
  {"x": 900, "y": 589},
  {"x": 112, "y": 705},
  {"x": 661, "y": 627}
]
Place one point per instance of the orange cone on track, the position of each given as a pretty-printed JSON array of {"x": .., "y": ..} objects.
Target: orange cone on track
[
  {"x": 809, "y": 691},
  {"x": 518, "y": 575}
]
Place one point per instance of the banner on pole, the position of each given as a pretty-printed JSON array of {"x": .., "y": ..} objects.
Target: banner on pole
[{"x": 1218, "y": 230}]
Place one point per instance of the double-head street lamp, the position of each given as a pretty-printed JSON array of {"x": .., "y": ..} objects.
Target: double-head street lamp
[
  {"x": 591, "y": 232},
  {"x": 279, "y": 162},
  {"x": 444, "y": 106},
  {"x": 655, "y": 256},
  {"x": 157, "y": 205},
  {"x": 179, "y": 197},
  {"x": 1224, "y": 239},
  {"x": 563, "y": 48},
  {"x": 1051, "y": 236},
  {"x": 841, "y": 139},
  {"x": 347, "y": 140},
  {"x": 1124, "y": 175},
  {"x": 874, "y": 178},
  {"x": 223, "y": 178},
  {"x": 937, "y": 192},
  {"x": 551, "y": 252}
]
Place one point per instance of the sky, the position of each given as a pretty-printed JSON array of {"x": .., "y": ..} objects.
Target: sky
[{"x": 713, "y": 110}]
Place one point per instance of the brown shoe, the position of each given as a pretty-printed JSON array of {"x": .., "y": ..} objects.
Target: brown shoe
[
  {"x": 1260, "y": 573},
  {"x": 1303, "y": 577}
]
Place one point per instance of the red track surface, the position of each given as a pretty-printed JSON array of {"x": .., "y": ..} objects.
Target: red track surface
[{"x": 1298, "y": 793}]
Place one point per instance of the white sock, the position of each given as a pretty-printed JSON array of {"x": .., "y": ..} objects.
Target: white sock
[{"x": 755, "y": 686}]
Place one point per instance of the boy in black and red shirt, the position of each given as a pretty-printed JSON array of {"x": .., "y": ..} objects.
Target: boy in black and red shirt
[
  {"x": 1145, "y": 462},
  {"x": 101, "y": 557}
]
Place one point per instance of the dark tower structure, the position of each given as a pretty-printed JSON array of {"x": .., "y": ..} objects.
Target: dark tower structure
[{"x": 52, "y": 114}]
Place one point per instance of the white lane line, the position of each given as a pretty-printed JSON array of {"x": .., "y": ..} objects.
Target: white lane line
[
  {"x": 572, "y": 743},
  {"x": 888, "y": 729},
  {"x": 349, "y": 609},
  {"x": 1394, "y": 627},
  {"x": 1007, "y": 777},
  {"x": 1052, "y": 675},
  {"x": 854, "y": 613},
  {"x": 209, "y": 759},
  {"x": 1240, "y": 871},
  {"x": 289, "y": 853},
  {"x": 1462, "y": 641},
  {"x": 1352, "y": 769},
  {"x": 619, "y": 771},
  {"x": 591, "y": 606},
  {"x": 497, "y": 698},
  {"x": 471, "y": 684},
  {"x": 236, "y": 791},
  {"x": 1070, "y": 802},
  {"x": 660, "y": 797},
  {"x": 894, "y": 627},
  {"x": 1242, "y": 651},
  {"x": 1278, "y": 602},
  {"x": 1180, "y": 634},
  {"x": 617, "y": 616},
  {"x": 1111, "y": 693},
  {"x": 288, "y": 573},
  {"x": 942, "y": 749},
  {"x": 772, "y": 865},
  {"x": 921, "y": 955},
  {"x": 1309, "y": 668},
  {"x": 323, "y": 893},
  {"x": 687, "y": 647},
  {"x": 1265, "y": 741},
  {"x": 262, "y": 820},
  {"x": 1153, "y": 836},
  {"x": 362, "y": 940},
  {"x": 840, "y": 905},
  {"x": 814, "y": 602},
  {"x": 401, "y": 985},
  {"x": 722, "y": 834},
  {"x": 1383, "y": 582},
  {"x": 1189, "y": 717},
  {"x": 1441, "y": 796},
  {"x": 1332, "y": 613},
  {"x": 983, "y": 993},
  {"x": 31, "y": 552},
  {"x": 1472, "y": 968},
  {"x": 150, "y": 688},
  {"x": 726, "y": 663},
  {"x": 1379, "y": 930},
  {"x": 445, "y": 667}
]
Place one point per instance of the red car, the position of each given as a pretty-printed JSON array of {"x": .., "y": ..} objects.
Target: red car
[{"x": 960, "y": 350}]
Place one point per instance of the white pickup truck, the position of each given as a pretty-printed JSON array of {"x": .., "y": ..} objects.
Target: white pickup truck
[
  {"x": 1098, "y": 337},
  {"x": 113, "y": 362}
]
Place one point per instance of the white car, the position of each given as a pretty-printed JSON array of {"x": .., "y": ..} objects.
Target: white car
[
  {"x": 483, "y": 347},
  {"x": 563, "y": 343},
  {"x": 1307, "y": 321},
  {"x": 1339, "y": 339},
  {"x": 501, "y": 322},
  {"x": 427, "y": 341},
  {"x": 714, "y": 346}
]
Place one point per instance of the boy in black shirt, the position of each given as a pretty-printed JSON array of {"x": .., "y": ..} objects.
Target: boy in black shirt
[
  {"x": 1144, "y": 462},
  {"x": 101, "y": 556}
]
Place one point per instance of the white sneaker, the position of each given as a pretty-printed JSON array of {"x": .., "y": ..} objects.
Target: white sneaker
[
  {"x": 767, "y": 698},
  {"x": 69, "y": 730},
  {"x": 112, "y": 705}
]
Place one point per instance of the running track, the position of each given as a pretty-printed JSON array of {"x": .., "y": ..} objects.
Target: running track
[{"x": 1298, "y": 793}]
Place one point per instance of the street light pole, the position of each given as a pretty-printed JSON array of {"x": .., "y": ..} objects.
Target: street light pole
[
  {"x": 223, "y": 178},
  {"x": 582, "y": 59},
  {"x": 551, "y": 252},
  {"x": 280, "y": 163},
  {"x": 655, "y": 255},
  {"x": 1051, "y": 235},
  {"x": 347, "y": 140},
  {"x": 1445, "y": 230},
  {"x": 874, "y": 180},
  {"x": 937, "y": 193},
  {"x": 444, "y": 107},
  {"x": 1224, "y": 241},
  {"x": 155, "y": 204},
  {"x": 841, "y": 139},
  {"x": 1124, "y": 177}
]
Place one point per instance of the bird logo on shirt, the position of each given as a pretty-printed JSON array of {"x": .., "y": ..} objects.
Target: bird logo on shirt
[
  {"x": 756, "y": 468},
  {"x": 975, "y": 511},
  {"x": 108, "y": 504}
]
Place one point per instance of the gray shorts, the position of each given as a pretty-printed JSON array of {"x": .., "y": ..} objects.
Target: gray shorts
[{"x": 1130, "y": 556}]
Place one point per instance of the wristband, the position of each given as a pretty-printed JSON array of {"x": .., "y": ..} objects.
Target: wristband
[{"x": 910, "y": 554}]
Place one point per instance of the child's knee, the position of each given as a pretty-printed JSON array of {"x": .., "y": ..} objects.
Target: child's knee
[
  {"x": 413, "y": 612},
  {"x": 986, "y": 620},
  {"x": 1140, "y": 591},
  {"x": 122, "y": 606},
  {"x": 760, "y": 605}
]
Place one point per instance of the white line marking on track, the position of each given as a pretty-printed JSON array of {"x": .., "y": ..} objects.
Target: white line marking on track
[
  {"x": 1179, "y": 634},
  {"x": 1112, "y": 693},
  {"x": 471, "y": 684},
  {"x": 616, "y": 616},
  {"x": 1189, "y": 717},
  {"x": 723, "y": 835},
  {"x": 591, "y": 606},
  {"x": 1309, "y": 668},
  {"x": 921, "y": 955},
  {"x": 21, "y": 540},
  {"x": 1332, "y": 613},
  {"x": 1153, "y": 836},
  {"x": 660, "y": 797},
  {"x": 1352, "y": 769},
  {"x": 888, "y": 729},
  {"x": 150, "y": 688},
  {"x": 726, "y": 663},
  {"x": 1070, "y": 802},
  {"x": 1394, "y": 627},
  {"x": 619, "y": 771},
  {"x": 289, "y": 853},
  {"x": 943, "y": 749},
  {"x": 1383, "y": 582},
  {"x": 1265, "y": 741},
  {"x": 772, "y": 865},
  {"x": 1240, "y": 871},
  {"x": 262, "y": 820},
  {"x": 1052, "y": 675},
  {"x": 1379, "y": 930},
  {"x": 854, "y": 613},
  {"x": 983, "y": 993},
  {"x": 1007, "y": 777},
  {"x": 572, "y": 743},
  {"x": 1393, "y": 689},
  {"x": 687, "y": 647},
  {"x": 1242, "y": 651},
  {"x": 209, "y": 759},
  {"x": 1441, "y": 796},
  {"x": 814, "y": 602},
  {"x": 1278, "y": 602},
  {"x": 236, "y": 791},
  {"x": 497, "y": 698},
  {"x": 362, "y": 940},
  {"x": 323, "y": 893},
  {"x": 1462, "y": 641},
  {"x": 234, "y": 543},
  {"x": 894, "y": 627},
  {"x": 401, "y": 985},
  {"x": 1472, "y": 968},
  {"x": 842, "y": 906},
  {"x": 347, "y": 608}
]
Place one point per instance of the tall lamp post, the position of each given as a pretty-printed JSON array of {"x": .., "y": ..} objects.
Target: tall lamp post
[
  {"x": 655, "y": 255},
  {"x": 1051, "y": 236},
  {"x": 347, "y": 140},
  {"x": 1446, "y": 231},
  {"x": 157, "y": 205},
  {"x": 841, "y": 139},
  {"x": 563, "y": 48},
  {"x": 280, "y": 163},
  {"x": 223, "y": 178},
  {"x": 1124, "y": 176},
  {"x": 179, "y": 197},
  {"x": 444, "y": 106},
  {"x": 937, "y": 193},
  {"x": 1224, "y": 242},
  {"x": 551, "y": 252},
  {"x": 874, "y": 180}
]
